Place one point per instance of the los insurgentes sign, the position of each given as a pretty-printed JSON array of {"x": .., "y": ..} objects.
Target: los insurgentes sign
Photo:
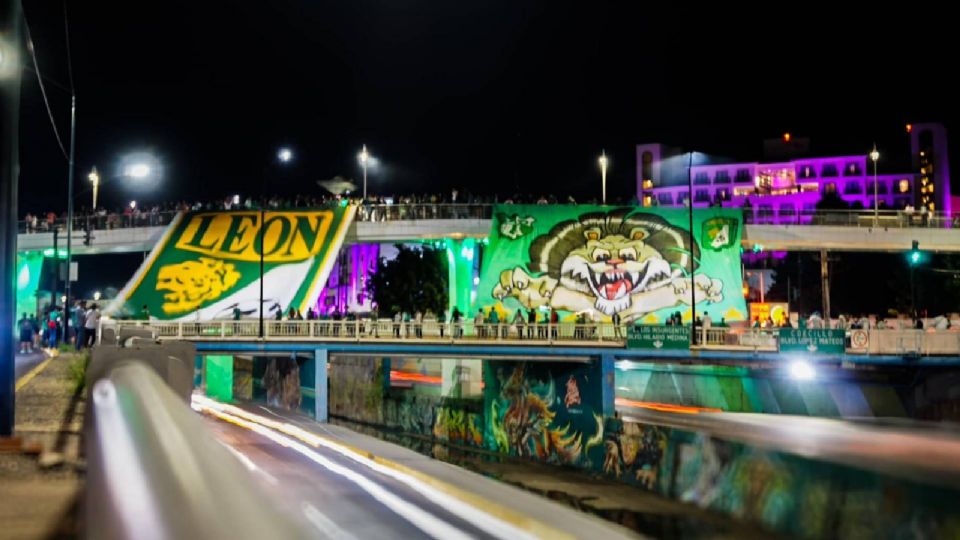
[
  {"x": 812, "y": 341},
  {"x": 658, "y": 337}
]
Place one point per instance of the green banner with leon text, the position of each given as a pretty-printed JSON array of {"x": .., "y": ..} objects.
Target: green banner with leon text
[
  {"x": 594, "y": 262},
  {"x": 207, "y": 264}
]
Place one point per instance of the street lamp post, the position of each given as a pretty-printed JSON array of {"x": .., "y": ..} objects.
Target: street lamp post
[
  {"x": 94, "y": 178},
  {"x": 604, "y": 162},
  {"x": 693, "y": 260},
  {"x": 874, "y": 156},
  {"x": 364, "y": 159}
]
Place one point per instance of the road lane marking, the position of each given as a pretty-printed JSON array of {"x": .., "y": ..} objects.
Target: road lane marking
[
  {"x": 250, "y": 465},
  {"x": 423, "y": 520},
  {"x": 31, "y": 374},
  {"x": 492, "y": 518},
  {"x": 325, "y": 524}
]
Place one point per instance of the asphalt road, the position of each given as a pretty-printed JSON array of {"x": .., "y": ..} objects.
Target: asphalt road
[
  {"x": 25, "y": 362},
  {"x": 341, "y": 498}
]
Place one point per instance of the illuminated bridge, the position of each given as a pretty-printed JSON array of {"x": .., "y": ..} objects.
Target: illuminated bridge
[{"x": 831, "y": 231}]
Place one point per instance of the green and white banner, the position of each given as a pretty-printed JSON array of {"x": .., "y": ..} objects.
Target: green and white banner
[
  {"x": 598, "y": 261},
  {"x": 208, "y": 263}
]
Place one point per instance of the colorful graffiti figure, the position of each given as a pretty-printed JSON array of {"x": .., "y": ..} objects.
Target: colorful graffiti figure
[
  {"x": 573, "y": 393},
  {"x": 636, "y": 449},
  {"x": 527, "y": 427},
  {"x": 604, "y": 263}
]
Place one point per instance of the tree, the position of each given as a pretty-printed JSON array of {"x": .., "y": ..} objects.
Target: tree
[{"x": 416, "y": 280}]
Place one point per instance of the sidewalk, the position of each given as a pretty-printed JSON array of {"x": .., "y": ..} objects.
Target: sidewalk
[{"x": 41, "y": 491}]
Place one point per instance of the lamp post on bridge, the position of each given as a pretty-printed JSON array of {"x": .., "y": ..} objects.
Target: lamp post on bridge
[
  {"x": 874, "y": 156},
  {"x": 604, "y": 162},
  {"x": 364, "y": 158}
]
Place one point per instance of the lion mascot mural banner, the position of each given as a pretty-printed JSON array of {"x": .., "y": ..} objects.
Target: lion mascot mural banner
[
  {"x": 207, "y": 265},
  {"x": 595, "y": 261}
]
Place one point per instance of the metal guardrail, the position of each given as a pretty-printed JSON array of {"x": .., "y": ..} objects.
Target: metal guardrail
[
  {"x": 875, "y": 341},
  {"x": 154, "y": 472},
  {"x": 430, "y": 211}
]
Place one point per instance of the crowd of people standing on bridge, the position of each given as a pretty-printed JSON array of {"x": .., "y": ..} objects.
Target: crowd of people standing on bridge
[{"x": 374, "y": 208}]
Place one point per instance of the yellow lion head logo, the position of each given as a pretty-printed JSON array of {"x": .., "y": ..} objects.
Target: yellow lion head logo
[{"x": 192, "y": 283}]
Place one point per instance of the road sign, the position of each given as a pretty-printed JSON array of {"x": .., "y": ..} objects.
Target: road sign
[
  {"x": 658, "y": 337},
  {"x": 812, "y": 341}
]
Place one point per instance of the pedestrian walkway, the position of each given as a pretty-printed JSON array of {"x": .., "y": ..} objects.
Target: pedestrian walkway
[{"x": 42, "y": 485}]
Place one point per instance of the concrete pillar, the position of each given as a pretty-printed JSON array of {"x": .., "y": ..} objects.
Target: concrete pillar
[
  {"x": 461, "y": 270},
  {"x": 461, "y": 377},
  {"x": 825, "y": 283},
  {"x": 320, "y": 384},
  {"x": 608, "y": 382}
]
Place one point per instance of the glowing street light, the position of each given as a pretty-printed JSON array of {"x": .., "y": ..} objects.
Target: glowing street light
[
  {"x": 133, "y": 205},
  {"x": 875, "y": 156},
  {"x": 138, "y": 171},
  {"x": 285, "y": 155},
  {"x": 96, "y": 295},
  {"x": 604, "y": 162},
  {"x": 364, "y": 157},
  {"x": 94, "y": 178},
  {"x": 802, "y": 370}
]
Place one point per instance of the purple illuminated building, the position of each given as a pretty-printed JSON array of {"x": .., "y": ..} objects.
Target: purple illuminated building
[{"x": 787, "y": 188}]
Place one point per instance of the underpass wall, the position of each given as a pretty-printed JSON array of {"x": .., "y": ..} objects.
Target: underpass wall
[{"x": 786, "y": 493}]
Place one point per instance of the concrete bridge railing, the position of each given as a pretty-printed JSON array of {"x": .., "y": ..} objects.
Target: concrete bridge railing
[{"x": 905, "y": 342}]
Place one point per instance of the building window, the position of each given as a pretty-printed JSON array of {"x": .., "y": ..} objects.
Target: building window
[
  {"x": 787, "y": 210},
  {"x": 853, "y": 188},
  {"x": 682, "y": 198},
  {"x": 829, "y": 171},
  {"x": 701, "y": 178},
  {"x": 743, "y": 175},
  {"x": 722, "y": 177},
  {"x": 852, "y": 169},
  {"x": 665, "y": 199},
  {"x": 829, "y": 187},
  {"x": 701, "y": 195},
  {"x": 904, "y": 185},
  {"x": 765, "y": 211},
  {"x": 807, "y": 172},
  {"x": 646, "y": 165},
  {"x": 881, "y": 187},
  {"x": 723, "y": 194}
]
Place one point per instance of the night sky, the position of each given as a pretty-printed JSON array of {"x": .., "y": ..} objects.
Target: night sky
[{"x": 481, "y": 95}]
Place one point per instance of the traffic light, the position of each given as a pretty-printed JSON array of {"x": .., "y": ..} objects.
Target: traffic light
[{"x": 915, "y": 256}]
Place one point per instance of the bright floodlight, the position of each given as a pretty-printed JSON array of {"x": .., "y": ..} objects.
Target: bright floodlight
[
  {"x": 874, "y": 155},
  {"x": 364, "y": 155},
  {"x": 603, "y": 160},
  {"x": 96, "y": 295},
  {"x": 133, "y": 204},
  {"x": 138, "y": 170},
  {"x": 802, "y": 370},
  {"x": 285, "y": 155}
]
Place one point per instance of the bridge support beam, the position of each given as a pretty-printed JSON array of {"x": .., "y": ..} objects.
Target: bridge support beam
[
  {"x": 461, "y": 269},
  {"x": 825, "y": 283},
  {"x": 320, "y": 384}
]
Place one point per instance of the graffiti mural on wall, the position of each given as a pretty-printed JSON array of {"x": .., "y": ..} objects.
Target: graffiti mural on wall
[
  {"x": 356, "y": 388},
  {"x": 549, "y": 416},
  {"x": 633, "y": 452}
]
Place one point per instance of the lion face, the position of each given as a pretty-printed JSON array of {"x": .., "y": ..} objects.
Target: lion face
[
  {"x": 192, "y": 283},
  {"x": 614, "y": 267},
  {"x": 612, "y": 257}
]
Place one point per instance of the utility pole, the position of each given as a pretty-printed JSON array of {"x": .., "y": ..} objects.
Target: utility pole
[{"x": 10, "y": 69}]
